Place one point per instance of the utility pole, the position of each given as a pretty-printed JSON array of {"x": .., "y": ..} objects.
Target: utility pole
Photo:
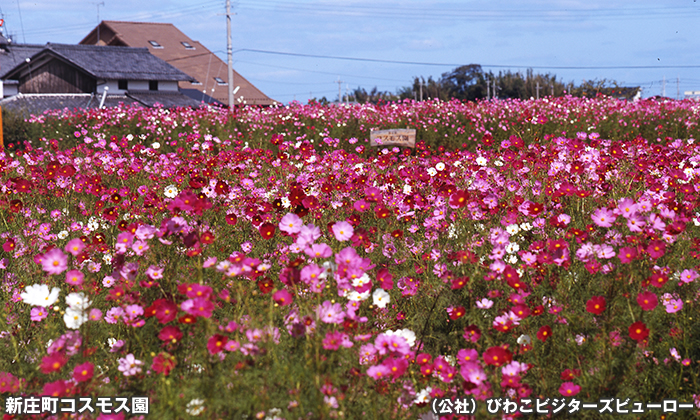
[
  {"x": 421, "y": 89},
  {"x": 488, "y": 89},
  {"x": 340, "y": 98},
  {"x": 229, "y": 52},
  {"x": 495, "y": 96},
  {"x": 537, "y": 90},
  {"x": 678, "y": 87},
  {"x": 663, "y": 87},
  {"x": 98, "y": 20},
  {"x": 552, "y": 90}
]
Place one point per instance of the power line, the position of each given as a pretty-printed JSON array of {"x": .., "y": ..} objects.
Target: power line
[{"x": 376, "y": 60}]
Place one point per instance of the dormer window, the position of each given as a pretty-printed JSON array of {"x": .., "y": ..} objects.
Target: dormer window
[
  {"x": 220, "y": 81},
  {"x": 154, "y": 44},
  {"x": 187, "y": 45}
]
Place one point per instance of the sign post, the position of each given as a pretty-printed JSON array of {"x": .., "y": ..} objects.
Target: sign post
[{"x": 405, "y": 137}]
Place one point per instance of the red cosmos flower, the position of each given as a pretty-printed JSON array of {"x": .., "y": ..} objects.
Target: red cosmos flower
[
  {"x": 512, "y": 277},
  {"x": 222, "y": 188},
  {"x": 382, "y": 212},
  {"x": 487, "y": 139},
  {"x": 231, "y": 219},
  {"x": 15, "y": 206},
  {"x": 656, "y": 249},
  {"x": 110, "y": 213},
  {"x": 216, "y": 343},
  {"x": 535, "y": 209},
  {"x": 596, "y": 305},
  {"x": 544, "y": 333},
  {"x": 569, "y": 374},
  {"x": 459, "y": 282},
  {"x": 52, "y": 363},
  {"x": 647, "y": 300},
  {"x": 267, "y": 230},
  {"x": 522, "y": 311},
  {"x": 163, "y": 363},
  {"x": 457, "y": 313},
  {"x": 282, "y": 297},
  {"x": 56, "y": 389},
  {"x": 638, "y": 331},
  {"x": 207, "y": 238},
  {"x": 657, "y": 279},
  {"x": 497, "y": 356},
  {"x": 265, "y": 285},
  {"x": 459, "y": 199},
  {"x": 84, "y": 372},
  {"x": 170, "y": 333},
  {"x": 164, "y": 310}
]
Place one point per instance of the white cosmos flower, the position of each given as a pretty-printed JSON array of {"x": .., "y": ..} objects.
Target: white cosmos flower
[
  {"x": 39, "y": 295},
  {"x": 481, "y": 161},
  {"x": 432, "y": 171},
  {"x": 171, "y": 191},
  {"x": 155, "y": 145},
  {"x": 74, "y": 318},
  {"x": 440, "y": 166},
  {"x": 77, "y": 301},
  {"x": 62, "y": 234},
  {"x": 195, "y": 407},
  {"x": 380, "y": 298}
]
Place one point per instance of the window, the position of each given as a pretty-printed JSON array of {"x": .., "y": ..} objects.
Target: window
[
  {"x": 220, "y": 81},
  {"x": 154, "y": 44},
  {"x": 122, "y": 85},
  {"x": 152, "y": 85},
  {"x": 196, "y": 83},
  {"x": 187, "y": 45}
]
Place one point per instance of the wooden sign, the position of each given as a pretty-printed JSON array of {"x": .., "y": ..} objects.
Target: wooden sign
[{"x": 404, "y": 137}]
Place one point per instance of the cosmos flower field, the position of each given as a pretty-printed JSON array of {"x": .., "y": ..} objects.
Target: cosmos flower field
[{"x": 270, "y": 264}]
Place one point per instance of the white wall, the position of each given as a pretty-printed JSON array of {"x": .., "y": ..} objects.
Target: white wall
[
  {"x": 138, "y": 85},
  {"x": 168, "y": 86},
  {"x": 113, "y": 85}
]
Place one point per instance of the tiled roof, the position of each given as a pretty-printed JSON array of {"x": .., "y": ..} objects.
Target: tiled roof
[
  {"x": 197, "y": 61},
  {"x": 14, "y": 54},
  {"x": 107, "y": 62},
  {"x": 37, "y": 103}
]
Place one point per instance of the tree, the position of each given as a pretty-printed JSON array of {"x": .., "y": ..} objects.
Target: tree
[{"x": 465, "y": 82}]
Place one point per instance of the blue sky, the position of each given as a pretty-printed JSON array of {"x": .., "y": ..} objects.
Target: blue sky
[{"x": 567, "y": 38}]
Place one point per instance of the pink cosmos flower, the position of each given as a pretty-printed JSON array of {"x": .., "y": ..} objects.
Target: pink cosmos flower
[
  {"x": 674, "y": 305},
  {"x": 689, "y": 275},
  {"x": 291, "y": 223},
  {"x": 54, "y": 261},
  {"x": 75, "y": 246},
  {"x": 74, "y": 277},
  {"x": 282, "y": 297},
  {"x": 330, "y": 313},
  {"x": 318, "y": 251},
  {"x": 198, "y": 307},
  {"x": 627, "y": 207},
  {"x": 129, "y": 365},
  {"x": 8, "y": 382},
  {"x": 569, "y": 389},
  {"x": 378, "y": 372},
  {"x": 38, "y": 313},
  {"x": 342, "y": 231},
  {"x": 603, "y": 217}
]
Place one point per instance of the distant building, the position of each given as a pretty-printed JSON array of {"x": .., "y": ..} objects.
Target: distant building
[
  {"x": 168, "y": 43},
  {"x": 692, "y": 94},
  {"x": 57, "y": 76}
]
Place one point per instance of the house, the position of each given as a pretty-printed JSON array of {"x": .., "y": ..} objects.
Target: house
[
  {"x": 168, "y": 43},
  {"x": 12, "y": 55},
  {"x": 62, "y": 75}
]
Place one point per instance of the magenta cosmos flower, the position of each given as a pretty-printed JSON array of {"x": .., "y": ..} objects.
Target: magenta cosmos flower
[
  {"x": 54, "y": 261},
  {"x": 129, "y": 365},
  {"x": 569, "y": 389},
  {"x": 343, "y": 231}
]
